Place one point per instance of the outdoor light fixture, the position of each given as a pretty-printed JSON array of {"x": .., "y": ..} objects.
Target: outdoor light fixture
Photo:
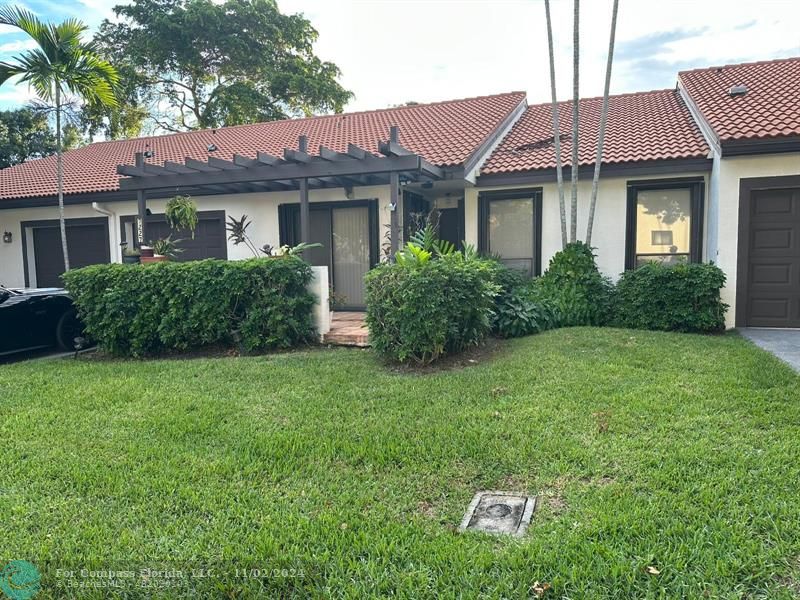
[{"x": 7, "y": 237}]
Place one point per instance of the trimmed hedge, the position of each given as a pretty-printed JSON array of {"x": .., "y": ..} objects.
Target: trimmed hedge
[
  {"x": 140, "y": 310},
  {"x": 420, "y": 312},
  {"x": 683, "y": 297}
]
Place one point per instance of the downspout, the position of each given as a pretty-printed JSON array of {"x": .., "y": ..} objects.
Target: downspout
[{"x": 112, "y": 228}]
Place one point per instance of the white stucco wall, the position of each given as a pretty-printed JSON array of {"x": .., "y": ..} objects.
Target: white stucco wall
[
  {"x": 731, "y": 170},
  {"x": 608, "y": 234},
  {"x": 261, "y": 208}
]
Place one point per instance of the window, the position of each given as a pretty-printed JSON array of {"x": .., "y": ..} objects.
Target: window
[
  {"x": 664, "y": 221},
  {"x": 511, "y": 227}
]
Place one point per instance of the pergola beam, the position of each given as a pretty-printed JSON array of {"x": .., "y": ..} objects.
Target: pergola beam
[
  {"x": 268, "y": 159},
  {"x": 357, "y": 152},
  {"x": 370, "y": 165},
  {"x": 198, "y": 165},
  {"x": 219, "y": 163}
]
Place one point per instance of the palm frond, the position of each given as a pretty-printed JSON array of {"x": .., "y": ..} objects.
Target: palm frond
[
  {"x": 25, "y": 20},
  {"x": 7, "y": 71},
  {"x": 61, "y": 61}
]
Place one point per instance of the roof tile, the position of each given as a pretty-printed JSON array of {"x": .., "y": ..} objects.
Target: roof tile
[
  {"x": 444, "y": 133},
  {"x": 769, "y": 109},
  {"x": 641, "y": 126}
]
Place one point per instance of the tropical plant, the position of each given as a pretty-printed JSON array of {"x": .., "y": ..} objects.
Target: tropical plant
[
  {"x": 603, "y": 118},
  {"x": 167, "y": 247},
  {"x": 427, "y": 238},
  {"x": 413, "y": 256},
  {"x": 237, "y": 233},
  {"x": 61, "y": 64},
  {"x": 181, "y": 213}
]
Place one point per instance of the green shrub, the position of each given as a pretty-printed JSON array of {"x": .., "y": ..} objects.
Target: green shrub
[
  {"x": 682, "y": 297},
  {"x": 139, "y": 310},
  {"x": 517, "y": 311},
  {"x": 575, "y": 288},
  {"x": 421, "y": 311},
  {"x": 519, "y": 314}
]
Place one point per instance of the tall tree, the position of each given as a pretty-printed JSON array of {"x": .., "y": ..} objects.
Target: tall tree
[
  {"x": 24, "y": 135},
  {"x": 603, "y": 118},
  {"x": 573, "y": 224},
  {"x": 204, "y": 63},
  {"x": 556, "y": 127},
  {"x": 60, "y": 65}
]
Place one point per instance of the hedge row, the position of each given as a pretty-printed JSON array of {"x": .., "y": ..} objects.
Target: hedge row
[
  {"x": 426, "y": 306},
  {"x": 140, "y": 310}
]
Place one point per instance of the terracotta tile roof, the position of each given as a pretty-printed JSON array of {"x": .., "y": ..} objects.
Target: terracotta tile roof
[
  {"x": 770, "y": 108},
  {"x": 444, "y": 133},
  {"x": 641, "y": 126}
]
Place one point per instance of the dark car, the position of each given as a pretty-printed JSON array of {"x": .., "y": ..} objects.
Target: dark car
[{"x": 37, "y": 318}]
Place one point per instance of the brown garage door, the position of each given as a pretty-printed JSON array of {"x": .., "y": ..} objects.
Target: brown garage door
[
  {"x": 87, "y": 243},
  {"x": 773, "y": 269}
]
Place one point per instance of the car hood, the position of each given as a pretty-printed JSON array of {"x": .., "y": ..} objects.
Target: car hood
[{"x": 40, "y": 291}]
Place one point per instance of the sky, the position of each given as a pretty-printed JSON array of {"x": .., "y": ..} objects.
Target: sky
[{"x": 395, "y": 51}]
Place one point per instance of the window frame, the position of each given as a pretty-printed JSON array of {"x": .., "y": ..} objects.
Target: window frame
[
  {"x": 484, "y": 201},
  {"x": 696, "y": 187}
]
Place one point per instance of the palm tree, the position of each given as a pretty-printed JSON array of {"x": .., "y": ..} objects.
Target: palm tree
[
  {"x": 556, "y": 127},
  {"x": 61, "y": 64},
  {"x": 573, "y": 225},
  {"x": 603, "y": 119}
]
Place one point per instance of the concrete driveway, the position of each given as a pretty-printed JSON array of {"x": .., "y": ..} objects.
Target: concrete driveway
[{"x": 783, "y": 343}]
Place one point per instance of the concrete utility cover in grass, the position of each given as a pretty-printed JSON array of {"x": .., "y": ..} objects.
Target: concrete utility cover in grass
[{"x": 499, "y": 512}]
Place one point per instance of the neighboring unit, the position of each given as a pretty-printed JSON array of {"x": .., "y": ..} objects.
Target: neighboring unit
[{"x": 708, "y": 171}]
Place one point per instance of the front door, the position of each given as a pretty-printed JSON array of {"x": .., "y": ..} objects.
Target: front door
[
  {"x": 348, "y": 232},
  {"x": 773, "y": 269}
]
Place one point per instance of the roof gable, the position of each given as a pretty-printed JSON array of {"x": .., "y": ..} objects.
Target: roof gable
[{"x": 644, "y": 126}]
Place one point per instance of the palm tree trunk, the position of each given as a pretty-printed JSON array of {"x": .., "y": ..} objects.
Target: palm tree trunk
[
  {"x": 603, "y": 119},
  {"x": 60, "y": 180},
  {"x": 573, "y": 226},
  {"x": 556, "y": 128}
]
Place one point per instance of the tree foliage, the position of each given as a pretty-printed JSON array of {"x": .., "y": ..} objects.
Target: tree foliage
[
  {"x": 200, "y": 64},
  {"x": 24, "y": 135}
]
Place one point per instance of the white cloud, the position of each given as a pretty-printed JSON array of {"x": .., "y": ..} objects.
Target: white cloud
[
  {"x": 17, "y": 46},
  {"x": 393, "y": 51}
]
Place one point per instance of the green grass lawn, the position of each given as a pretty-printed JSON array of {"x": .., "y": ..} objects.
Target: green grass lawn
[{"x": 322, "y": 473}]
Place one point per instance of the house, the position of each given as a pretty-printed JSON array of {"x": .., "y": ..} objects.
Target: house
[{"x": 706, "y": 171}]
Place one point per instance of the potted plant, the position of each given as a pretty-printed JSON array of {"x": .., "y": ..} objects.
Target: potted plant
[
  {"x": 131, "y": 256},
  {"x": 181, "y": 214},
  {"x": 163, "y": 249}
]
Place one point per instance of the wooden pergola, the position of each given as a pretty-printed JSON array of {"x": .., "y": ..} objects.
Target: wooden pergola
[{"x": 296, "y": 170}]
